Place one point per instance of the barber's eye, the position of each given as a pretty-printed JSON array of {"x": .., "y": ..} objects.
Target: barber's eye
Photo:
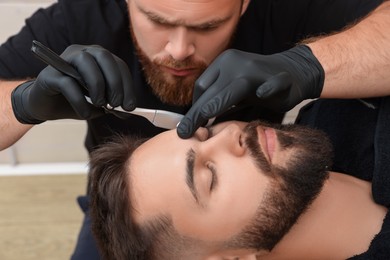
[
  {"x": 205, "y": 29},
  {"x": 161, "y": 24}
]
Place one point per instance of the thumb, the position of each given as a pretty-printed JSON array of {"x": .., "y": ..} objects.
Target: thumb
[{"x": 188, "y": 126}]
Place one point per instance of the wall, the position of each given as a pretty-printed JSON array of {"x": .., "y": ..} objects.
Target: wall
[{"x": 48, "y": 144}]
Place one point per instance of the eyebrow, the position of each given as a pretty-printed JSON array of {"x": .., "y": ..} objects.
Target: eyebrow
[
  {"x": 161, "y": 20},
  {"x": 190, "y": 165}
]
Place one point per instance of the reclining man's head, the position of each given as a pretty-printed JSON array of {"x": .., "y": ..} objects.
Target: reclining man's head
[{"x": 232, "y": 190}]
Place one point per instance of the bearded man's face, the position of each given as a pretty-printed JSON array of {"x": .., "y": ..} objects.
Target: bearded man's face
[{"x": 176, "y": 41}]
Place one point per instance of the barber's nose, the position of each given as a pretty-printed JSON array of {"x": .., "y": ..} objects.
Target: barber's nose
[
  {"x": 180, "y": 44},
  {"x": 230, "y": 138}
]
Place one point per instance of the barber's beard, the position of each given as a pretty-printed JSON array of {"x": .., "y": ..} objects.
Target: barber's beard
[
  {"x": 292, "y": 187},
  {"x": 170, "y": 89}
]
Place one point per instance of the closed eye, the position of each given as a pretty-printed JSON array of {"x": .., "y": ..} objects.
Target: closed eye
[{"x": 214, "y": 177}]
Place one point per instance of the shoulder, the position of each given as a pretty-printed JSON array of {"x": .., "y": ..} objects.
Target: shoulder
[
  {"x": 85, "y": 5},
  {"x": 99, "y": 22},
  {"x": 283, "y": 10},
  {"x": 270, "y": 26},
  {"x": 93, "y": 9}
]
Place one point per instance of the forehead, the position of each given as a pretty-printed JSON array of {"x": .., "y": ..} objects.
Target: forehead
[
  {"x": 189, "y": 8},
  {"x": 157, "y": 154}
]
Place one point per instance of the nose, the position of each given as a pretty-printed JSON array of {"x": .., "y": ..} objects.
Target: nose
[
  {"x": 180, "y": 44},
  {"x": 228, "y": 139}
]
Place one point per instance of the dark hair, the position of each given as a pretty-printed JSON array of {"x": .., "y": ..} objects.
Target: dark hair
[{"x": 118, "y": 236}]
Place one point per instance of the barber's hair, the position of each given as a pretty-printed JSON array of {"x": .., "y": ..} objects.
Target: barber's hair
[{"x": 118, "y": 237}]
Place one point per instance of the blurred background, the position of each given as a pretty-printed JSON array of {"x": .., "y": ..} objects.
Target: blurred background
[
  {"x": 51, "y": 142},
  {"x": 42, "y": 174}
]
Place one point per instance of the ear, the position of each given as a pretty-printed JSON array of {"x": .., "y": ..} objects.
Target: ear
[{"x": 245, "y": 4}]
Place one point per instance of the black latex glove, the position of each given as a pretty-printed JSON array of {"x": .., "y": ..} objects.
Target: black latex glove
[
  {"x": 278, "y": 82},
  {"x": 54, "y": 95}
]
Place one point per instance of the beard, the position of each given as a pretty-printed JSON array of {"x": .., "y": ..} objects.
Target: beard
[
  {"x": 292, "y": 188},
  {"x": 170, "y": 89}
]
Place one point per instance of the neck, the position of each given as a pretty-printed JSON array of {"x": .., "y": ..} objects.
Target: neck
[{"x": 340, "y": 223}]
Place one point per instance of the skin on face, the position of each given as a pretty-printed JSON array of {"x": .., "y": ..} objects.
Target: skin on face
[
  {"x": 182, "y": 29},
  {"x": 229, "y": 186}
]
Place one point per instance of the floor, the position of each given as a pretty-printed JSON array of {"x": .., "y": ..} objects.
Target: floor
[{"x": 39, "y": 216}]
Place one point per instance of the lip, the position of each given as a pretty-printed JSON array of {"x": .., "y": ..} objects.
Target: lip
[
  {"x": 267, "y": 137},
  {"x": 179, "y": 72}
]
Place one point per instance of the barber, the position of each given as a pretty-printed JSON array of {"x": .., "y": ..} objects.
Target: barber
[{"x": 266, "y": 71}]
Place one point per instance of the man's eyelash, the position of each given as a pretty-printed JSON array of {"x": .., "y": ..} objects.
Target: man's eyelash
[{"x": 214, "y": 179}]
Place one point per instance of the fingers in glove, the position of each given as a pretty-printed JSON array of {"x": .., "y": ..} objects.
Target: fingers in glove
[
  {"x": 70, "y": 89},
  {"x": 129, "y": 99},
  {"x": 274, "y": 85},
  {"x": 207, "y": 79},
  {"x": 228, "y": 97},
  {"x": 211, "y": 104},
  {"x": 189, "y": 124},
  {"x": 111, "y": 73},
  {"x": 278, "y": 93},
  {"x": 193, "y": 118},
  {"x": 92, "y": 75}
]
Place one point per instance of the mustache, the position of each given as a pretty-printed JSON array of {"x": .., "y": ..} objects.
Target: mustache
[
  {"x": 252, "y": 143},
  {"x": 180, "y": 64}
]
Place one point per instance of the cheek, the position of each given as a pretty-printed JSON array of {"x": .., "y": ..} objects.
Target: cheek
[
  {"x": 209, "y": 46},
  {"x": 241, "y": 184},
  {"x": 231, "y": 206},
  {"x": 150, "y": 39}
]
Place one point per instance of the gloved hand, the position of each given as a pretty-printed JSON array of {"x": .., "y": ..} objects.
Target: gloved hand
[
  {"x": 278, "y": 82},
  {"x": 54, "y": 95}
]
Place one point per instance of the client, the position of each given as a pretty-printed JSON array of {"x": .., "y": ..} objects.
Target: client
[{"x": 233, "y": 191}]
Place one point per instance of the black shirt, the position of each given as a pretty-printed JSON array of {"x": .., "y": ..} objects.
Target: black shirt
[{"x": 267, "y": 27}]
